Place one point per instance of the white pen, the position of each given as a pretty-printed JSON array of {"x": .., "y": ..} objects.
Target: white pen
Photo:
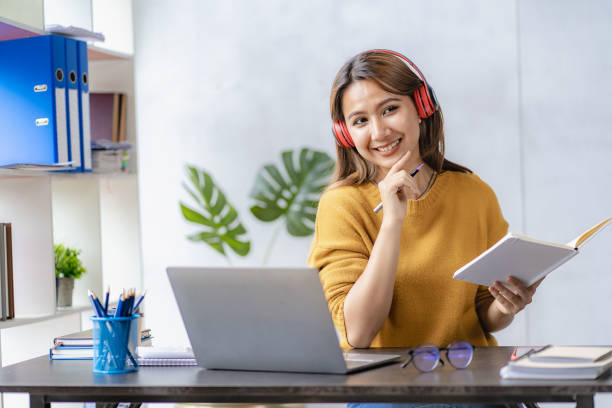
[{"x": 412, "y": 174}]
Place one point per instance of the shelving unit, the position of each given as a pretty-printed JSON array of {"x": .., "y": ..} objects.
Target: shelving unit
[{"x": 97, "y": 213}]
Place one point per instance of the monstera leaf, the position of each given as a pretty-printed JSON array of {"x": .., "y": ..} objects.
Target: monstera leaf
[
  {"x": 294, "y": 194},
  {"x": 218, "y": 217}
]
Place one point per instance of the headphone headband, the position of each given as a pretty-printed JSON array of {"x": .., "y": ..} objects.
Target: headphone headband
[{"x": 411, "y": 64}]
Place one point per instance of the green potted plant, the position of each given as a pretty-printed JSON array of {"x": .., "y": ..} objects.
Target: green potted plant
[{"x": 68, "y": 267}]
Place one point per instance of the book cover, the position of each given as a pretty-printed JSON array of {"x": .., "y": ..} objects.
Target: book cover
[
  {"x": 101, "y": 108},
  {"x": 70, "y": 353},
  {"x": 108, "y": 116},
  {"x": 523, "y": 257},
  {"x": 116, "y": 117},
  {"x": 84, "y": 338},
  {"x": 6, "y": 273},
  {"x": 9, "y": 271},
  {"x": 61, "y": 351}
]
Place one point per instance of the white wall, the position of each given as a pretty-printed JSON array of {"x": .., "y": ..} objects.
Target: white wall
[
  {"x": 565, "y": 69},
  {"x": 229, "y": 85}
]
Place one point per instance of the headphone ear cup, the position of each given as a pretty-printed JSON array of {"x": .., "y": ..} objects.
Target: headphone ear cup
[
  {"x": 418, "y": 101},
  {"x": 342, "y": 135},
  {"x": 427, "y": 103},
  {"x": 425, "y": 106}
]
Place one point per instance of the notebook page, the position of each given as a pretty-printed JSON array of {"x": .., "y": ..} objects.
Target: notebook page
[
  {"x": 571, "y": 354},
  {"x": 584, "y": 237}
]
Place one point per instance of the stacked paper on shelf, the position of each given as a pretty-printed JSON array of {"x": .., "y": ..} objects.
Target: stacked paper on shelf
[
  {"x": 74, "y": 32},
  {"x": 38, "y": 167},
  {"x": 110, "y": 157},
  {"x": 561, "y": 363}
]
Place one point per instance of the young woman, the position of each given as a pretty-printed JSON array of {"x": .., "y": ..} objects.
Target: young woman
[{"x": 387, "y": 275}]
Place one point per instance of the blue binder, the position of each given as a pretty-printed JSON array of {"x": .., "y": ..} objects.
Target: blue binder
[
  {"x": 33, "y": 101},
  {"x": 84, "y": 113},
  {"x": 72, "y": 103}
]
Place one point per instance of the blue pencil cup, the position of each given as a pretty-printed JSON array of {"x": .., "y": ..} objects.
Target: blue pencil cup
[{"x": 114, "y": 344}]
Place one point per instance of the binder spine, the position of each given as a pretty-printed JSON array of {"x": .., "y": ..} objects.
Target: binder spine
[
  {"x": 72, "y": 86},
  {"x": 87, "y": 165},
  {"x": 59, "y": 80},
  {"x": 84, "y": 112}
]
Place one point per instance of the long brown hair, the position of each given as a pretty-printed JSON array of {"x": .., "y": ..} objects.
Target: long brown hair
[{"x": 394, "y": 76}]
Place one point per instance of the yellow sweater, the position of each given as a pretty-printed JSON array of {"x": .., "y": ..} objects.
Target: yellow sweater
[{"x": 456, "y": 220}]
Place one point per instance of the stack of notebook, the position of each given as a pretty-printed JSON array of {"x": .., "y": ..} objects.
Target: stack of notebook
[
  {"x": 560, "y": 363},
  {"x": 79, "y": 346}
]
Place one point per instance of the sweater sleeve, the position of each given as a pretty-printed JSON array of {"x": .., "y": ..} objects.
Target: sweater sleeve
[
  {"x": 339, "y": 250},
  {"x": 497, "y": 227}
]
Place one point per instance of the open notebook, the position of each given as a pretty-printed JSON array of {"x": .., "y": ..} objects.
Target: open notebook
[{"x": 523, "y": 257}]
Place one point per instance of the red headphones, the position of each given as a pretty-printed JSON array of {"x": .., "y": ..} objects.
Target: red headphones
[{"x": 424, "y": 99}]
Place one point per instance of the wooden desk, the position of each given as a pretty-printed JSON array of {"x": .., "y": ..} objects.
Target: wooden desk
[{"x": 69, "y": 381}]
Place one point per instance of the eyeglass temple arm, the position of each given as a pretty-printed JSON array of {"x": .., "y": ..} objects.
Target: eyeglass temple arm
[{"x": 405, "y": 363}]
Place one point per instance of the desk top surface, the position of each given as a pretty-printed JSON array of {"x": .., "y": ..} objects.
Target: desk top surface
[{"x": 41, "y": 376}]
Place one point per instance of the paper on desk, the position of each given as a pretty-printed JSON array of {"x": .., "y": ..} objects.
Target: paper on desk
[{"x": 165, "y": 352}]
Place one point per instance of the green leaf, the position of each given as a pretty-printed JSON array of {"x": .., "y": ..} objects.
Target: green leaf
[
  {"x": 67, "y": 262},
  {"x": 293, "y": 194},
  {"x": 194, "y": 216},
  {"x": 231, "y": 215},
  {"x": 266, "y": 213},
  {"x": 222, "y": 228},
  {"x": 241, "y": 248},
  {"x": 288, "y": 163}
]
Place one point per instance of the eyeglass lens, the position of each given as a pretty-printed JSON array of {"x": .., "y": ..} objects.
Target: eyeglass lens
[
  {"x": 459, "y": 354},
  {"x": 426, "y": 357}
]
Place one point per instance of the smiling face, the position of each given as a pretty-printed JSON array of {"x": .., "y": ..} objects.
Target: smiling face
[{"x": 383, "y": 125}]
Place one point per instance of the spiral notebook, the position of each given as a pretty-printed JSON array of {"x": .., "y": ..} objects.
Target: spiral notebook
[
  {"x": 166, "y": 356},
  {"x": 167, "y": 362}
]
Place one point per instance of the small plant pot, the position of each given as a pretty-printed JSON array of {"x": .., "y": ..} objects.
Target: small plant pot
[{"x": 64, "y": 287}]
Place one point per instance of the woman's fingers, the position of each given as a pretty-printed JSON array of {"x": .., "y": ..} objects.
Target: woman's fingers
[
  {"x": 519, "y": 288},
  {"x": 514, "y": 295},
  {"x": 400, "y": 183},
  {"x": 400, "y": 164},
  {"x": 506, "y": 305}
]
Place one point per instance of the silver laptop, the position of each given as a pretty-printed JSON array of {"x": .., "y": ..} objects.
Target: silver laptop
[{"x": 263, "y": 319}]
